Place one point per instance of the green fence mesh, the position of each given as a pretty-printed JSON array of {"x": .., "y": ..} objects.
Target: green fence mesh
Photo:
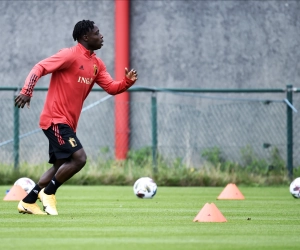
[{"x": 188, "y": 124}]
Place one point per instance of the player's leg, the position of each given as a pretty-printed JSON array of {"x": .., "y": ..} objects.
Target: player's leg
[
  {"x": 66, "y": 146},
  {"x": 28, "y": 204},
  {"x": 64, "y": 173},
  {"x": 48, "y": 175},
  {"x": 71, "y": 167}
]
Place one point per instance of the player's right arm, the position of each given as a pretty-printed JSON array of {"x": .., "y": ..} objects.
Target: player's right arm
[
  {"x": 60, "y": 60},
  {"x": 21, "y": 100},
  {"x": 26, "y": 93}
]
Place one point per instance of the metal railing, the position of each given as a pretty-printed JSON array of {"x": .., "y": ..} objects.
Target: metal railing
[{"x": 158, "y": 123}]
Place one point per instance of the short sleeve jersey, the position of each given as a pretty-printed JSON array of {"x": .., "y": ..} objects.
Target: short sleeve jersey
[{"x": 74, "y": 72}]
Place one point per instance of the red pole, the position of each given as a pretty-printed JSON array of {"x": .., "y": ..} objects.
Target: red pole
[{"x": 121, "y": 61}]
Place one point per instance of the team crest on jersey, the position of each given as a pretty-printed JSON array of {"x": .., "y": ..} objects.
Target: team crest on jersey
[{"x": 95, "y": 69}]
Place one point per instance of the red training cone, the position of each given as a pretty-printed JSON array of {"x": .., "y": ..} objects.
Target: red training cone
[
  {"x": 231, "y": 192},
  {"x": 210, "y": 213},
  {"x": 16, "y": 193}
]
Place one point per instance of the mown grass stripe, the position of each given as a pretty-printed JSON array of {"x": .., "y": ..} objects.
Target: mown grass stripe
[{"x": 111, "y": 217}]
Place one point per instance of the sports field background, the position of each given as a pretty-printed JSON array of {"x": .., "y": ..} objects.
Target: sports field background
[
  {"x": 107, "y": 217},
  {"x": 182, "y": 43},
  {"x": 174, "y": 44},
  {"x": 190, "y": 44}
]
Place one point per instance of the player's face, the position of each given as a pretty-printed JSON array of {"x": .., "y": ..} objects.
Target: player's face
[{"x": 95, "y": 39}]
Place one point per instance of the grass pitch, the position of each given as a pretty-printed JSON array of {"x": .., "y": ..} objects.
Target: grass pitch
[{"x": 111, "y": 217}]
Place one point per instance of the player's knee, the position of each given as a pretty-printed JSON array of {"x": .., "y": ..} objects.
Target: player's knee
[{"x": 81, "y": 160}]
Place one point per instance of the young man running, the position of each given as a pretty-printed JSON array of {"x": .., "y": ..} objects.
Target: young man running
[{"x": 74, "y": 72}]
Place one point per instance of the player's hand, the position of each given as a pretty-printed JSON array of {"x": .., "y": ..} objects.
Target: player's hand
[
  {"x": 21, "y": 100},
  {"x": 132, "y": 74}
]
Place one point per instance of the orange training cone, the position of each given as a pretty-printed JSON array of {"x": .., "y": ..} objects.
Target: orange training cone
[
  {"x": 231, "y": 192},
  {"x": 210, "y": 213},
  {"x": 16, "y": 193}
]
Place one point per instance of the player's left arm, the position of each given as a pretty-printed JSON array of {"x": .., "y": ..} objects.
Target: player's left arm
[
  {"x": 132, "y": 74},
  {"x": 105, "y": 81}
]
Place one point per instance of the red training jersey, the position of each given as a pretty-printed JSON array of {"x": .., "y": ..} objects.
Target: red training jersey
[{"x": 74, "y": 72}]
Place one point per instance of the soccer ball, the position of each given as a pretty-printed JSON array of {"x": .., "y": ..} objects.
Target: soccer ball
[
  {"x": 145, "y": 188},
  {"x": 25, "y": 183},
  {"x": 295, "y": 188}
]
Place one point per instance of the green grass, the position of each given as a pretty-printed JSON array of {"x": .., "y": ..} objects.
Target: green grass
[{"x": 111, "y": 217}]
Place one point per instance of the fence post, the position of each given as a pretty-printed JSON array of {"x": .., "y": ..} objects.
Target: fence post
[
  {"x": 16, "y": 135},
  {"x": 289, "y": 111},
  {"x": 154, "y": 130}
]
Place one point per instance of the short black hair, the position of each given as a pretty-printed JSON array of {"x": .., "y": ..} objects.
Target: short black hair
[{"x": 81, "y": 28}]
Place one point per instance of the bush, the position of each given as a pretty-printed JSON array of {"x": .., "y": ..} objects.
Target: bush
[{"x": 217, "y": 171}]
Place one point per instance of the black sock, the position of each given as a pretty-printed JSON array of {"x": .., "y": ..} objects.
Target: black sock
[
  {"x": 52, "y": 186},
  {"x": 33, "y": 195}
]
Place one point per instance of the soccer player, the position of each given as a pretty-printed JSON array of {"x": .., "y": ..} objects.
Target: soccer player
[{"x": 74, "y": 72}]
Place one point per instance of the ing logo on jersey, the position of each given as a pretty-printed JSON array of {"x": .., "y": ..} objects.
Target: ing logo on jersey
[
  {"x": 95, "y": 69},
  {"x": 73, "y": 142}
]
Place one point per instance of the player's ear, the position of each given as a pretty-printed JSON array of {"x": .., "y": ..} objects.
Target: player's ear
[{"x": 85, "y": 37}]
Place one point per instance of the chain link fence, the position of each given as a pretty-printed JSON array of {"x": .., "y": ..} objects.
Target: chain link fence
[{"x": 184, "y": 125}]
